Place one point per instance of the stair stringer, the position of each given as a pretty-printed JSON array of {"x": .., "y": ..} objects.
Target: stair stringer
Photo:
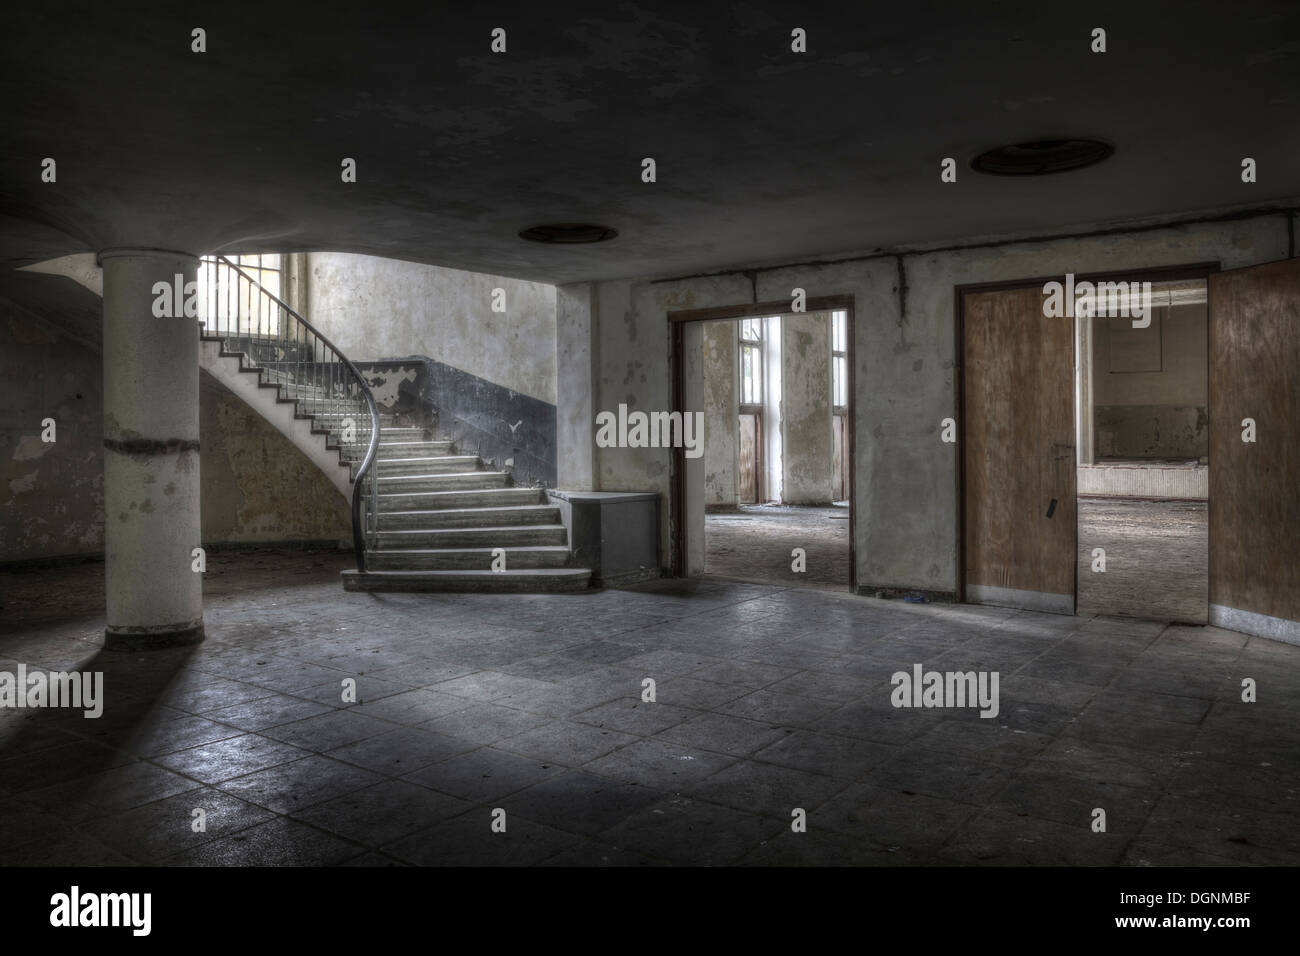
[{"x": 281, "y": 414}]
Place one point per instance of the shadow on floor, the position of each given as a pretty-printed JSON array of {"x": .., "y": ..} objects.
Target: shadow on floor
[{"x": 765, "y": 700}]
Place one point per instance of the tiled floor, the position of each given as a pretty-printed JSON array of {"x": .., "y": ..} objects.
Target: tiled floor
[
  {"x": 755, "y": 542},
  {"x": 1157, "y": 558},
  {"x": 767, "y": 700}
]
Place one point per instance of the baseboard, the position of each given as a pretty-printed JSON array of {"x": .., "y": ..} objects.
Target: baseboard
[
  {"x": 1257, "y": 625},
  {"x": 892, "y": 592},
  {"x": 298, "y": 544},
  {"x": 66, "y": 560},
  {"x": 626, "y": 578},
  {"x": 51, "y": 561},
  {"x": 1017, "y": 598}
]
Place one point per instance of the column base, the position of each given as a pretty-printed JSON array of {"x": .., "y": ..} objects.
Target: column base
[{"x": 153, "y": 638}]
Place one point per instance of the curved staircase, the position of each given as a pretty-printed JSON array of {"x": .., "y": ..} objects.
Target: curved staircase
[
  {"x": 424, "y": 517},
  {"x": 439, "y": 517}
]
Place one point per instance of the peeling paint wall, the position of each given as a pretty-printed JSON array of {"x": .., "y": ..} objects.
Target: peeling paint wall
[
  {"x": 374, "y": 308},
  {"x": 631, "y": 357},
  {"x": 256, "y": 486},
  {"x": 906, "y": 478},
  {"x": 807, "y": 444},
  {"x": 721, "y": 413},
  {"x": 506, "y": 429},
  {"x": 51, "y": 494},
  {"x": 397, "y": 389},
  {"x": 575, "y": 390}
]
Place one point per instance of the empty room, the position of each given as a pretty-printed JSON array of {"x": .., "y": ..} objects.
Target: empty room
[
  {"x": 776, "y": 474},
  {"x": 606, "y": 436}
]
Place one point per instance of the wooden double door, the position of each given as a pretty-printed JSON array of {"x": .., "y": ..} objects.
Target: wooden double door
[
  {"x": 1017, "y": 442},
  {"x": 1018, "y": 447}
]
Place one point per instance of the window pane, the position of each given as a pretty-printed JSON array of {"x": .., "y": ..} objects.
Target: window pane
[{"x": 751, "y": 375}]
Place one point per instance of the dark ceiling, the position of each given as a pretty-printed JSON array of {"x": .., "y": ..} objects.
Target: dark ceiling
[{"x": 763, "y": 155}]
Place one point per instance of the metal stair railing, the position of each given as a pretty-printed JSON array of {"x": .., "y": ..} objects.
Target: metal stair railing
[{"x": 307, "y": 368}]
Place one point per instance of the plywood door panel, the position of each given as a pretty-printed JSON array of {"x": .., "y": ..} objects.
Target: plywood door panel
[
  {"x": 1018, "y": 444},
  {"x": 840, "y": 461},
  {"x": 1255, "y": 487}
]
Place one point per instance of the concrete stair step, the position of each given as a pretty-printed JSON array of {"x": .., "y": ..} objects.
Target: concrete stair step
[
  {"x": 333, "y": 418},
  {"x": 528, "y": 580},
  {"x": 500, "y": 497},
  {"x": 408, "y": 443},
  {"x": 330, "y": 413},
  {"x": 467, "y": 559},
  {"x": 395, "y": 434},
  {"x": 302, "y": 390},
  {"x": 410, "y": 449},
  {"x": 436, "y": 465},
  {"x": 450, "y": 482},
  {"x": 305, "y": 389},
  {"x": 522, "y": 536},
  {"x": 508, "y": 516},
  {"x": 407, "y": 467}
]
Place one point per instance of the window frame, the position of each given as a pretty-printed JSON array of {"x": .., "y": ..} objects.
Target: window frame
[
  {"x": 839, "y": 361},
  {"x": 755, "y": 348}
]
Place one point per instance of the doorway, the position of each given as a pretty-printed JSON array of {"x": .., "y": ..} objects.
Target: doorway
[
  {"x": 770, "y": 499},
  {"x": 1059, "y": 435},
  {"x": 1143, "y": 470}
]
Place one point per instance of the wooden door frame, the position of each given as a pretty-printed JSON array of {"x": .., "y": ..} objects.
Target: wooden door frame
[
  {"x": 1194, "y": 270},
  {"x": 677, "y": 320},
  {"x": 757, "y": 412}
]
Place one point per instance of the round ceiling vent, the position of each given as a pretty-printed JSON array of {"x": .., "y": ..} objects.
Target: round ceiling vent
[
  {"x": 1042, "y": 156},
  {"x": 568, "y": 232}
]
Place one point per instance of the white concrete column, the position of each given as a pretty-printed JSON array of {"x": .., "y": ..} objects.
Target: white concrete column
[
  {"x": 808, "y": 448},
  {"x": 576, "y": 349},
  {"x": 773, "y": 414},
  {"x": 151, "y": 452},
  {"x": 721, "y": 413}
]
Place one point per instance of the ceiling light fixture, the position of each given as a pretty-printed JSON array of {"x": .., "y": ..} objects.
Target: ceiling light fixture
[
  {"x": 1041, "y": 157},
  {"x": 568, "y": 233}
]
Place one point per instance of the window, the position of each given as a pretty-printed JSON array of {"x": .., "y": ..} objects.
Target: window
[
  {"x": 840, "y": 360},
  {"x": 751, "y": 361},
  {"x": 230, "y": 303}
]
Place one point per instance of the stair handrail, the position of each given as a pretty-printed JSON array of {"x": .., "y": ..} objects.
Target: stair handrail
[{"x": 372, "y": 450}]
